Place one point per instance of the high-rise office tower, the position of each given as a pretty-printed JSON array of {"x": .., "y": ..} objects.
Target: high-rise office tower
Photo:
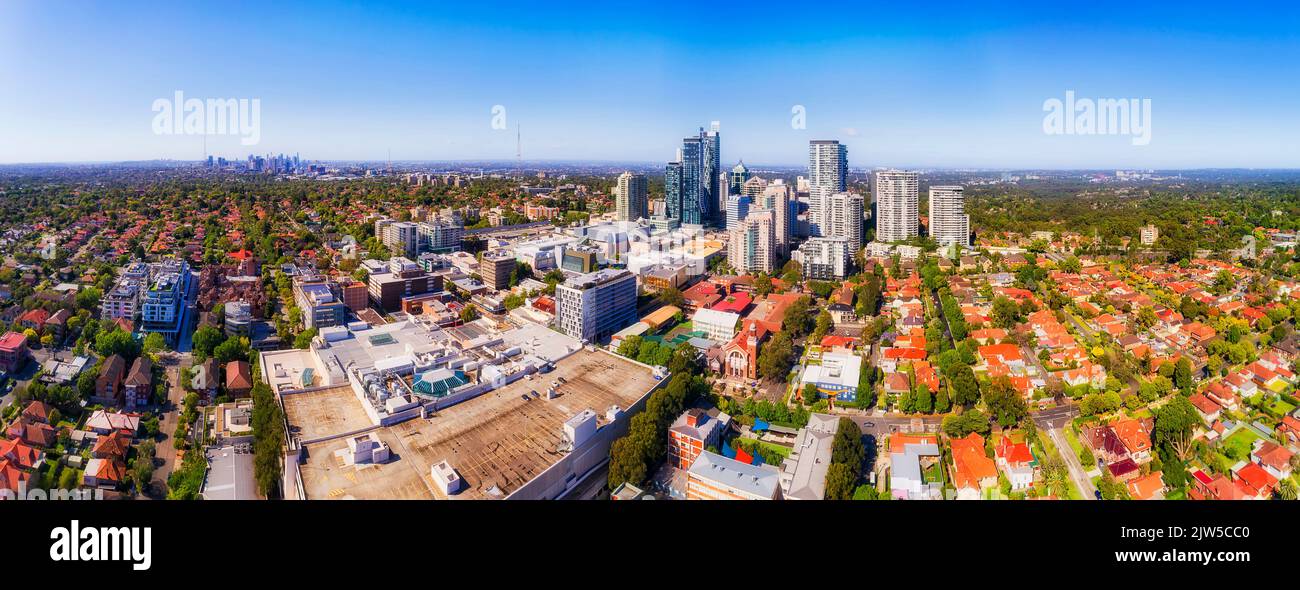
[
  {"x": 898, "y": 205},
  {"x": 843, "y": 219},
  {"x": 673, "y": 190},
  {"x": 828, "y": 168},
  {"x": 949, "y": 223},
  {"x": 737, "y": 209},
  {"x": 715, "y": 199},
  {"x": 694, "y": 198},
  {"x": 632, "y": 197},
  {"x": 739, "y": 175},
  {"x": 751, "y": 245}
]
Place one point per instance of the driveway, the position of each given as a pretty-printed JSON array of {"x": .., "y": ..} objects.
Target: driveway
[{"x": 167, "y": 425}]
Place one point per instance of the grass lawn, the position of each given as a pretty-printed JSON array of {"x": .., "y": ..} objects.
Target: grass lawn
[
  {"x": 1242, "y": 440},
  {"x": 1281, "y": 407},
  {"x": 1049, "y": 448},
  {"x": 1073, "y": 441},
  {"x": 933, "y": 473},
  {"x": 783, "y": 451}
]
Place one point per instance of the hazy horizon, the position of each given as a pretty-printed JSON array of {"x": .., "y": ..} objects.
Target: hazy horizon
[{"x": 955, "y": 87}]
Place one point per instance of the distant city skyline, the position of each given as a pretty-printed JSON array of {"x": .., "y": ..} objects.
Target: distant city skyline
[{"x": 955, "y": 87}]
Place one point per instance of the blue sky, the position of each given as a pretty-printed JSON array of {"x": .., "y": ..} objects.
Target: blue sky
[{"x": 939, "y": 85}]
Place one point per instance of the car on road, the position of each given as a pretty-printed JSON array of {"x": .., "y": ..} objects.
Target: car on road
[
  {"x": 1097, "y": 493},
  {"x": 868, "y": 424}
]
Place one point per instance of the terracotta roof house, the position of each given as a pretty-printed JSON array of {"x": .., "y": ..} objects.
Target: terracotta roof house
[
  {"x": 34, "y": 319},
  {"x": 37, "y": 411},
  {"x": 1257, "y": 481},
  {"x": 19, "y": 454},
  {"x": 11, "y": 476},
  {"x": 1274, "y": 458},
  {"x": 37, "y": 434},
  {"x": 1209, "y": 409},
  {"x": 104, "y": 473},
  {"x": 239, "y": 380},
  {"x": 1148, "y": 487},
  {"x": 116, "y": 444},
  {"x": 1218, "y": 487},
  {"x": 58, "y": 324},
  {"x": 1136, "y": 436},
  {"x": 973, "y": 471}
]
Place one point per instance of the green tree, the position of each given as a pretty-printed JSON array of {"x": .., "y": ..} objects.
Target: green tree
[
  {"x": 142, "y": 467},
  {"x": 304, "y": 338},
  {"x": 810, "y": 394},
  {"x": 1004, "y": 402},
  {"x": 154, "y": 343},
  {"x": 965, "y": 387},
  {"x": 840, "y": 481},
  {"x": 672, "y": 296},
  {"x": 1183, "y": 375},
  {"x": 115, "y": 341},
  {"x": 776, "y": 357},
  {"x": 206, "y": 338},
  {"x": 230, "y": 350}
]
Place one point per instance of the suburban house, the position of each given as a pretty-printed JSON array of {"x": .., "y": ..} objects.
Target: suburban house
[
  {"x": 973, "y": 471},
  {"x": 1274, "y": 458},
  {"x": 13, "y": 352},
  {"x": 1148, "y": 487},
  {"x": 909, "y": 455},
  {"x": 1017, "y": 462},
  {"x": 103, "y": 422},
  {"x": 239, "y": 381},
  {"x": 1209, "y": 409},
  {"x": 32, "y": 432}
]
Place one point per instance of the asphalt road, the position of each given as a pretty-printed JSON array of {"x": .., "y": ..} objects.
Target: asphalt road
[
  {"x": 165, "y": 452},
  {"x": 1052, "y": 420}
]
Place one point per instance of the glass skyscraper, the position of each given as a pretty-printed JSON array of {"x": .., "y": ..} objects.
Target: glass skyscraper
[
  {"x": 673, "y": 190},
  {"x": 693, "y": 195}
]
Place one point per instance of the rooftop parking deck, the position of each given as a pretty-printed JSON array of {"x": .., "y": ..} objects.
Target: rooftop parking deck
[{"x": 496, "y": 442}]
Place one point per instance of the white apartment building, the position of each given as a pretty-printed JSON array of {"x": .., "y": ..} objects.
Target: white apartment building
[
  {"x": 631, "y": 200},
  {"x": 843, "y": 218},
  {"x": 898, "y": 205},
  {"x": 823, "y": 258},
  {"x": 401, "y": 237},
  {"x": 752, "y": 244},
  {"x": 949, "y": 223},
  {"x": 828, "y": 167},
  {"x": 1149, "y": 235},
  {"x": 594, "y": 306},
  {"x": 441, "y": 234}
]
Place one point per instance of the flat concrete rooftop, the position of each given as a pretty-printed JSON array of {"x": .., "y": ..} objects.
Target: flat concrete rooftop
[{"x": 497, "y": 441}]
